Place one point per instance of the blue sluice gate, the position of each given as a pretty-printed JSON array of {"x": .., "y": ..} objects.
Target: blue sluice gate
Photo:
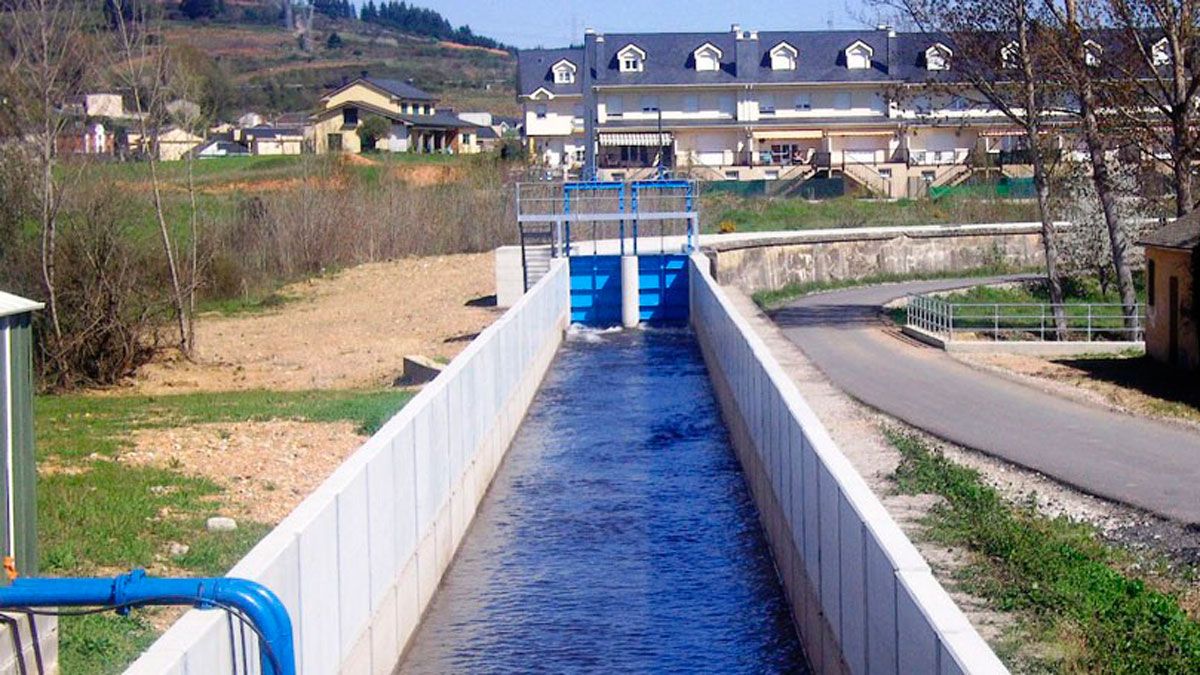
[
  {"x": 618, "y": 535},
  {"x": 596, "y": 289}
]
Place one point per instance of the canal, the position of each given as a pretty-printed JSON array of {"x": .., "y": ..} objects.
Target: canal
[{"x": 618, "y": 536}]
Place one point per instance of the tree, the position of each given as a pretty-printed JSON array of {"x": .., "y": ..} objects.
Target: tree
[
  {"x": 196, "y": 9},
  {"x": 334, "y": 41},
  {"x": 47, "y": 67},
  {"x": 999, "y": 57},
  {"x": 150, "y": 72},
  {"x": 371, "y": 130},
  {"x": 1157, "y": 64},
  {"x": 1080, "y": 71}
]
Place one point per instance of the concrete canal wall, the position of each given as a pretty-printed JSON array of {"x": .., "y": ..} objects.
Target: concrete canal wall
[
  {"x": 359, "y": 560},
  {"x": 864, "y": 598},
  {"x": 778, "y": 259}
]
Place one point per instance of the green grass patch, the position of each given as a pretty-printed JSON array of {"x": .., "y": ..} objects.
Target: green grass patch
[
  {"x": 250, "y": 304},
  {"x": 770, "y": 299},
  {"x": 1022, "y": 306},
  {"x": 767, "y": 214},
  {"x": 1055, "y": 571},
  {"x": 99, "y": 516}
]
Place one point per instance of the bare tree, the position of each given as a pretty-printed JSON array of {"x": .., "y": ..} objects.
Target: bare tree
[
  {"x": 146, "y": 70},
  {"x": 45, "y": 38},
  {"x": 289, "y": 20},
  {"x": 1081, "y": 72},
  {"x": 999, "y": 60},
  {"x": 307, "y": 12},
  {"x": 1157, "y": 64}
]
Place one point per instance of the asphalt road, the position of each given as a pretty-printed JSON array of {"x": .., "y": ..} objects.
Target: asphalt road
[{"x": 1143, "y": 463}]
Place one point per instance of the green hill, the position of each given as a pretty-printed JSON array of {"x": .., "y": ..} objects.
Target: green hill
[{"x": 259, "y": 66}]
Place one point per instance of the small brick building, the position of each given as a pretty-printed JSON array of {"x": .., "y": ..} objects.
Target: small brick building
[{"x": 1172, "y": 255}]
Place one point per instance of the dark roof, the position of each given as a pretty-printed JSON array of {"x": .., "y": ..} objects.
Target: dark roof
[
  {"x": 485, "y": 132},
  {"x": 440, "y": 119},
  {"x": 399, "y": 89},
  {"x": 229, "y": 147},
  {"x": 821, "y": 59},
  {"x": 273, "y": 132},
  {"x": 533, "y": 70},
  {"x": 1183, "y": 233}
]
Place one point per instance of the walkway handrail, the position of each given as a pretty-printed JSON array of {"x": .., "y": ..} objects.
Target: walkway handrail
[
  {"x": 251, "y": 600},
  {"x": 941, "y": 317}
]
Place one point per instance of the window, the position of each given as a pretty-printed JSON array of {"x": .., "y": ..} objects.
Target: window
[
  {"x": 771, "y": 174},
  {"x": 928, "y": 176},
  {"x": 726, "y": 105},
  {"x": 731, "y": 175},
  {"x": 1009, "y": 54},
  {"x": 631, "y": 59},
  {"x": 649, "y": 104},
  {"x": 1160, "y": 53},
  {"x": 691, "y": 103},
  {"x": 766, "y": 104},
  {"x": 564, "y": 72},
  {"x": 707, "y": 58},
  {"x": 803, "y": 102},
  {"x": 1150, "y": 282},
  {"x": 783, "y": 57},
  {"x": 841, "y": 100},
  {"x": 541, "y": 111},
  {"x": 858, "y": 56},
  {"x": 350, "y": 117},
  {"x": 580, "y": 154},
  {"x": 937, "y": 57},
  {"x": 616, "y": 106}
]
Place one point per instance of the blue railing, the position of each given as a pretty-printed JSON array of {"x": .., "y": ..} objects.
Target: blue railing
[{"x": 249, "y": 601}]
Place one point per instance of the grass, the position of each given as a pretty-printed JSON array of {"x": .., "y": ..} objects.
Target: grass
[
  {"x": 247, "y": 304},
  {"x": 98, "y": 516},
  {"x": 772, "y": 298},
  {"x": 1080, "y": 295},
  {"x": 764, "y": 214},
  {"x": 1054, "y": 571}
]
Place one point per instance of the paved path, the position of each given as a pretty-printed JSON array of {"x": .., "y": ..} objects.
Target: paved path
[{"x": 1148, "y": 464}]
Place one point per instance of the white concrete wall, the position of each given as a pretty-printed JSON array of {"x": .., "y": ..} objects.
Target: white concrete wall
[
  {"x": 863, "y": 597},
  {"x": 359, "y": 560},
  {"x": 47, "y": 634}
]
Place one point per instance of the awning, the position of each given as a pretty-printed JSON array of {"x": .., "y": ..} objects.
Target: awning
[
  {"x": 651, "y": 139},
  {"x": 805, "y": 134},
  {"x": 864, "y": 132}
]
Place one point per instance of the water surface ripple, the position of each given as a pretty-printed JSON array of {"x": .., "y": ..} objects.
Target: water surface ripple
[{"x": 618, "y": 536}]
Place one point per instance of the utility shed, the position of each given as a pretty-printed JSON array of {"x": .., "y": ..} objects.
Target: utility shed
[
  {"x": 19, "y": 526},
  {"x": 1171, "y": 312}
]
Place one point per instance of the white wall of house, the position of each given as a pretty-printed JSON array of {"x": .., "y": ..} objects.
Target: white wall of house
[
  {"x": 560, "y": 116},
  {"x": 397, "y": 139},
  {"x": 708, "y": 147}
]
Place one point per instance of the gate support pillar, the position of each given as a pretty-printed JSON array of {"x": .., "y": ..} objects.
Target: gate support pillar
[{"x": 630, "y": 310}]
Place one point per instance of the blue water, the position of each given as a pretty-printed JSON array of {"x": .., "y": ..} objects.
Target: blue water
[{"x": 618, "y": 536}]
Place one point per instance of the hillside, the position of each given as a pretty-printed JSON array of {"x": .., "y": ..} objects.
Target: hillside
[{"x": 263, "y": 68}]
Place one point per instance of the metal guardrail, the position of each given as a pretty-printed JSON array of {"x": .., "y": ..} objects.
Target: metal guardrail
[{"x": 1087, "y": 322}]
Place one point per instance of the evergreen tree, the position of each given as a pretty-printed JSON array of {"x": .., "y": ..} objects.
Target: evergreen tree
[{"x": 202, "y": 9}]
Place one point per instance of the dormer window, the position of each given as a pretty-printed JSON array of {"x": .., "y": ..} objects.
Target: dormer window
[
  {"x": 783, "y": 57},
  {"x": 707, "y": 58},
  {"x": 1091, "y": 53},
  {"x": 1160, "y": 53},
  {"x": 631, "y": 59},
  {"x": 1009, "y": 54},
  {"x": 937, "y": 57},
  {"x": 564, "y": 72},
  {"x": 858, "y": 56}
]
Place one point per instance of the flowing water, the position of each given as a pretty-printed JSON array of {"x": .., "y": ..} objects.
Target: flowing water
[{"x": 618, "y": 536}]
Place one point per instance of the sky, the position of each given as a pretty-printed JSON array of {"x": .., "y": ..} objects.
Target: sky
[{"x": 558, "y": 23}]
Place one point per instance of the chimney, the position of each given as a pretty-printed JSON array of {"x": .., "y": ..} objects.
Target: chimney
[{"x": 747, "y": 55}]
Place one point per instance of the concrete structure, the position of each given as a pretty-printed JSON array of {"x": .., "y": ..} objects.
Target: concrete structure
[
  {"x": 756, "y": 261},
  {"x": 416, "y": 123},
  {"x": 359, "y": 560},
  {"x": 1172, "y": 335},
  {"x": 744, "y": 104},
  {"x": 865, "y": 599},
  {"x": 836, "y": 255},
  {"x": 173, "y": 144}
]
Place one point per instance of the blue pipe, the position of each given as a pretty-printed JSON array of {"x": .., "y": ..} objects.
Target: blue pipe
[{"x": 261, "y": 606}]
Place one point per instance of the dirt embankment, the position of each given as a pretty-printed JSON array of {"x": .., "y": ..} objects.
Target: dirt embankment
[{"x": 350, "y": 330}]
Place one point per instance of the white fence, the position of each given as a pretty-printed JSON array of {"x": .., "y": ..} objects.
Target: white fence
[
  {"x": 358, "y": 561},
  {"x": 863, "y": 596}
]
